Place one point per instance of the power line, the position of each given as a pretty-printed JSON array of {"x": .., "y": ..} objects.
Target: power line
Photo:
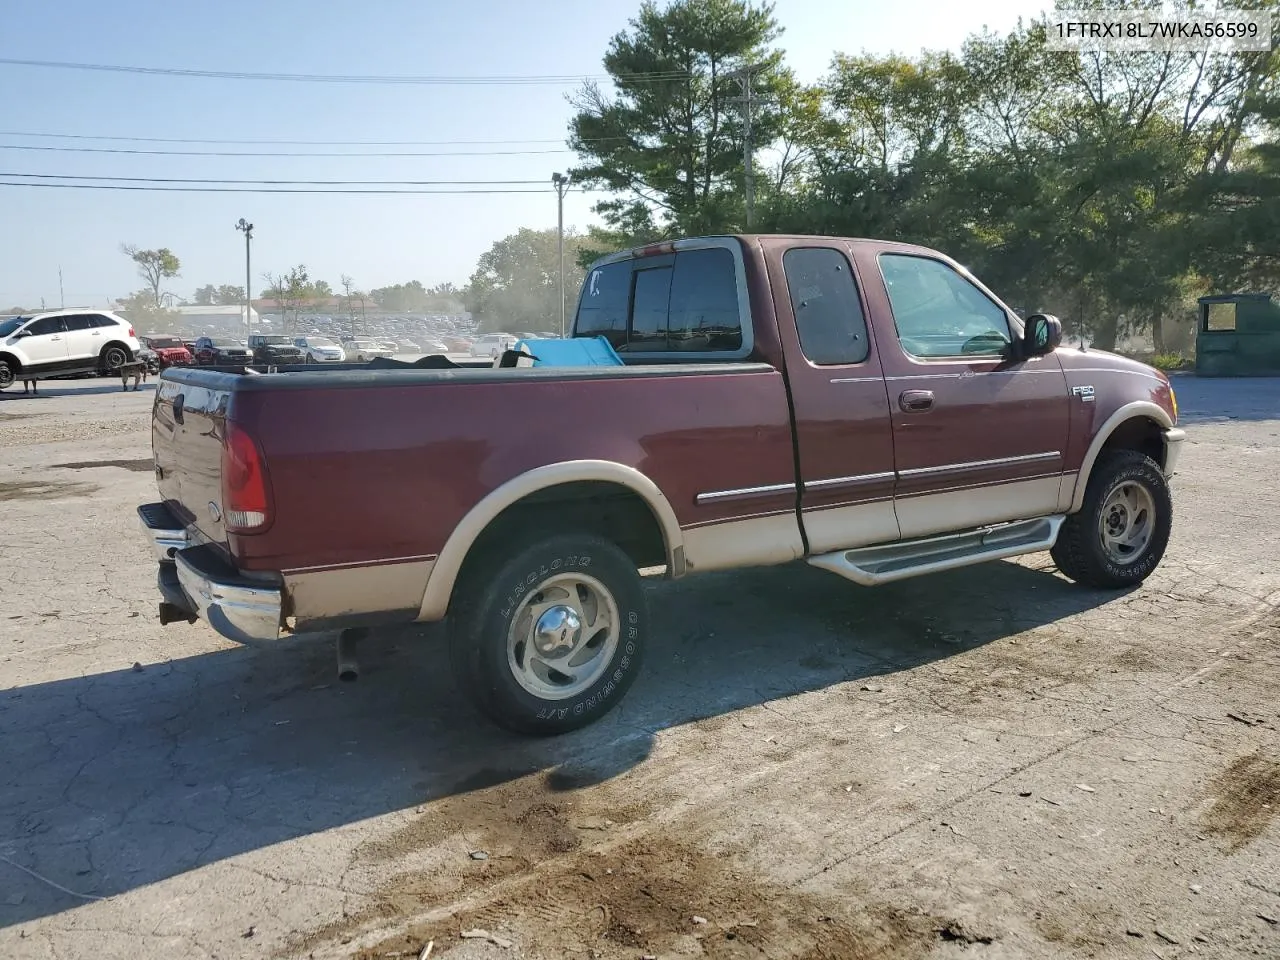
[
  {"x": 561, "y": 80},
  {"x": 342, "y": 191},
  {"x": 309, "y": 183},
  {"x": 287, "y": 153},
  {"x": 300, "y": 143}
]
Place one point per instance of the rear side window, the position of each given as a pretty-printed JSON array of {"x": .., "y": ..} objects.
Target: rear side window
[
  {"x": 81, "y": 321},
  {"x": 825, "y": 302},
  {"x": 602, "y": 311},
  {"x": 98, "y": 320}
]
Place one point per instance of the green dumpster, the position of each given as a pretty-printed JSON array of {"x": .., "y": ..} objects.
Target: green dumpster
[{"x": 1238, "y": 335}]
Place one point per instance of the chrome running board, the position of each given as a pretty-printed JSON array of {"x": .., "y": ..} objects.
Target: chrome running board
[{"x": 871, "y": 566}]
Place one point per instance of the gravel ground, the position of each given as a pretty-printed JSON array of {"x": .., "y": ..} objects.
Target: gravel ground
[{"x": 988, "y": 763}]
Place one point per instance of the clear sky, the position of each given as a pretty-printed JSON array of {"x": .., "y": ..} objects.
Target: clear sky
[{"x": 376, "y": 239}]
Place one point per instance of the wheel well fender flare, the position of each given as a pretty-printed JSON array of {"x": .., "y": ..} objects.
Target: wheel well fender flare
[
  {"x": 1137, "y": 410},
  {"x": 444, "y": 573}
]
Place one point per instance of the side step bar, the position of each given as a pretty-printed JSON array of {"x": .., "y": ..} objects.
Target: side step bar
[{"x": 871, "y": 566}]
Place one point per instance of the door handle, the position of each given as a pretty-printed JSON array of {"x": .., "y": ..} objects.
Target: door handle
[
  {"x": 55, "y": 338},
  {"x": 916, "y": 401},
  {"x": 96, "y": 333}
]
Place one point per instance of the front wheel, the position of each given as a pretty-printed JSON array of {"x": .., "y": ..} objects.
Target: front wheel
[
  {"x": 1120, "y": 534},
  {"x": 549, "y": 636},
  {"x": 6, "y": 375}
]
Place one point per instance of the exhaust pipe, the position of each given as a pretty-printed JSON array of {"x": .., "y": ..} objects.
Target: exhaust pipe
[{"x": 348, "y": 664}]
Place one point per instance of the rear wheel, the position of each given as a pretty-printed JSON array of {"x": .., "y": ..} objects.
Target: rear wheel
[
  {"x": 113, "y": 358},
  {"x": 7, "y": 375},
  {"x": 1120, "y": 534},
  {"x": 549, "y": 636}
]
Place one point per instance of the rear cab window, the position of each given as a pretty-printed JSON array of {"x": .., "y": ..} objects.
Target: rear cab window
[{"x": 686, "y": 303}]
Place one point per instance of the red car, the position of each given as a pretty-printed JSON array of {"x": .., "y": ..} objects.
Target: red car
[
  {"x": 171, "y": 351},
  {"x": 867, "y": 407}
]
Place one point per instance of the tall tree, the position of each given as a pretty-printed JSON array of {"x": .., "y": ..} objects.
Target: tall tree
[
  {"x": 516, "y": 284},
  {"x": 204, "y": 296},
  {"x": 229, "y": 295},
  {"x": 669, "y": 144},
  {"x": 154, "y": 266}
]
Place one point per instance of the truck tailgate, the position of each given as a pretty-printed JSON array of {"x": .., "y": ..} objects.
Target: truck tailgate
[{"x": 187, "y": 425}]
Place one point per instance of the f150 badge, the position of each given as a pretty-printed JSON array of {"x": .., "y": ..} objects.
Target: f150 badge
[{"x": 1085, "y": 393}]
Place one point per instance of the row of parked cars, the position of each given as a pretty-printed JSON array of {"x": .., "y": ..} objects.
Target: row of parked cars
[{"x": 273, "y": 349}]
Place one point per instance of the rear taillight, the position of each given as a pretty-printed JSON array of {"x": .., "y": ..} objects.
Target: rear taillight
[
  {"x": 246, "y": 492},
  {"x": 131, "y": 333}
]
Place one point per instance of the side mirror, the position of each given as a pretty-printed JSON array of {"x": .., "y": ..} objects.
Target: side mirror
[
  {"x": 1042, "y": 334},
  {"x": 26, "y": 332}
]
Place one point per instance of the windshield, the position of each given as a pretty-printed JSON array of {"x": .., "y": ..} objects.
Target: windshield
[
  {"x": 228, "y": 344},
  {"x": 7, "y": 327},
  {"x": 276, "y": 341},
  {"x": 163, "y": 343},
  {"x": 321, "y": 342}
]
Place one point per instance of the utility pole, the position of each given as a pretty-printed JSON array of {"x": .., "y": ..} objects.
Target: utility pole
[
  {"x": 744, "y": 77},
  {"x": 561, "y": 183},
  {"x": 247, "y": 229}
]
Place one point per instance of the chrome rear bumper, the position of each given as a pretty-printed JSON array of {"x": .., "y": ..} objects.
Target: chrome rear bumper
[{"x": 239, "y": 608}]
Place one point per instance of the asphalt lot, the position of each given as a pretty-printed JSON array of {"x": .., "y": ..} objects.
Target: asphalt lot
[{"x": 990, "y": 763}]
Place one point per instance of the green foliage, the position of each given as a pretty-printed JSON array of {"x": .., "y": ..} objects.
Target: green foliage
[
  {"x": 140, "y": 309},
  {"x": 669, "y": 142},
  {"x": 1108, "y": 188},
  {"x": 516, "y": 284},
  {"x": 155, "y": 267}
]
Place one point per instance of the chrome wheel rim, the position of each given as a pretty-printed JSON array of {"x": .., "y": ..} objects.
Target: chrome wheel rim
[
  {"x": 1127, "y": 522},
  {"x": 563, "y": 636}
]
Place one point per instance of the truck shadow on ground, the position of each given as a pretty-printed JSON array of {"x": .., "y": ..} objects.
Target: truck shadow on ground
[
  {"x": 55, "y": 388},
  {"x": 116, "y": 780}
]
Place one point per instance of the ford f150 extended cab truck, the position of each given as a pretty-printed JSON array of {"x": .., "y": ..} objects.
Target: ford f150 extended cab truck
[{"x": 867, "y": 407}]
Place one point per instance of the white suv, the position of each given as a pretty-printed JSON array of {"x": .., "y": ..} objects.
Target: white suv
[
  {"x": 64, "y": 342},
  {"x": 492, "y": 344},
  {"x": 320, "y": 350}
]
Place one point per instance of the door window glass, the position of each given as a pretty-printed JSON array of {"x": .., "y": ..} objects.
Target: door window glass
[
  {"x": 47, "y": 325},
  {"x": 939, "y": 313}
]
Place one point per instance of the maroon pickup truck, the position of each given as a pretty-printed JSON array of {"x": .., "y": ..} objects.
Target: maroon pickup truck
[{"x": 867, "y": 407}]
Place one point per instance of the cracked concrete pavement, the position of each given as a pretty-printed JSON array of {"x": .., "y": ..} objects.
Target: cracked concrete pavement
[{"x": 988, "y": 763}]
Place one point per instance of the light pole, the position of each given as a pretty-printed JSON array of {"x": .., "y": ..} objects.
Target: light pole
[
  {"x": 246, "y": 228},
  {"x": 561, "y": 182}
]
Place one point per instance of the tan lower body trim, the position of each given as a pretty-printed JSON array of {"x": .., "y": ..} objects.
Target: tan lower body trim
[
  {"x": 963, "y": 509},
  {"x": 753, "y": 542},
  {"x": 853, "y": 525},
  {"x": 351, "y": 591},
  {"x": 1067, "y": 491}
]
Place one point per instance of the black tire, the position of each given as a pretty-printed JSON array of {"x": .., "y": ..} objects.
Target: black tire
[
  {"x": 493, "y": 597},
  {"x": 1079, "y": 551},
  {"x": 7, "y": 375},
  {"x": 113, "y": 356}
]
